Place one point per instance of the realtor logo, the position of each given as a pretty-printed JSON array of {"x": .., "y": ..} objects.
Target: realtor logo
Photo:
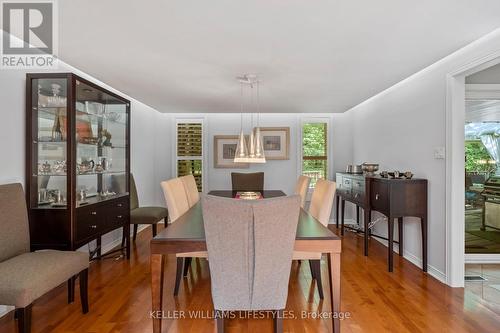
[{"x": 28, "y": 38}]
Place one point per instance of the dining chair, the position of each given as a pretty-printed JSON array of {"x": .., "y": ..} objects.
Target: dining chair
[
  {"x": 247, "y": 181},
  {"x": 25, "y": 276},
  {"x": 320, "y": 208},
  {"x": 250, "y": 245},
  {"x": 301, "y": 189},
  {"x": 191, "y": 189},
  {"x": 144, "y": 215},
  {"x": 178, "y": 204}
]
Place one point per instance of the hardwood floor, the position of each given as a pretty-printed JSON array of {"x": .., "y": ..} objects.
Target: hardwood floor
[{"x": 403, "y": 301}]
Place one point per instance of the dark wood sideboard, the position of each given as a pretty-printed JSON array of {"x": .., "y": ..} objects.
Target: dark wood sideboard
[{"x": 395, "y": 198}]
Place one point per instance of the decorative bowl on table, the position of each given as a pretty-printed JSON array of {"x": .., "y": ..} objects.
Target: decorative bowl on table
[{"x": 248, "y": 195}]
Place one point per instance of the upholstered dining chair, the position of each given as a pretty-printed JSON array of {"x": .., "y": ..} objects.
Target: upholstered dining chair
[
  {"x": 25, "y": 275},
  {"x": 301, "y": 189},
  {"x": 191, "y": 188},
  {"x": 250, "y": 245},
  {"x": 144, "y": 215},
  {"x": 320, "y": 208},
  {"x": 247, "y": 181},
  {"x": 177, "y": 201}
]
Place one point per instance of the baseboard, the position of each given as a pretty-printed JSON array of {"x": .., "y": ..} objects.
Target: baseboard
[
  {"x": 482, "y": 258},
  {"x": 4, "y": 309},
  {"x": 431, "y": 270},
  {"x": 105, "y": 248}
]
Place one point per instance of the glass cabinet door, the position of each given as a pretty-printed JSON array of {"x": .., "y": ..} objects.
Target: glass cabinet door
[
  {"x": 49, "y": 136},
  {"x": 101, "y": 145}
]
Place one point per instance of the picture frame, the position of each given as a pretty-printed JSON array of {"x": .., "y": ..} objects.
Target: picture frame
[
  {"x": 276, "y": 142},
  {"x": 224, "y": 150}
]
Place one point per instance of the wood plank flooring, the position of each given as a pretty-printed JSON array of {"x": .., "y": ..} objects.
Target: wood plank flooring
[{"x": 403, "y": 301}]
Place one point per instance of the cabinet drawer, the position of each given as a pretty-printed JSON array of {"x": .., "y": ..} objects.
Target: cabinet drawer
[
  {"x": 117, "y": 214},
  {"x": 90, "y": 222},
  {"x": 380, "y": 196}
]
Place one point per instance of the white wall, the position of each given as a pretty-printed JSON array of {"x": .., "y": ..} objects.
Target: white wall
[
  {"x": 400, "y": 128},
  {"x": 147, "y": 127}
]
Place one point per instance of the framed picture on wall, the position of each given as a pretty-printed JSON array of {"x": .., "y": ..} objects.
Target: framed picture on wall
[
  {"x": 276, "y": 142},
  {"x": 224, "y": 151}
]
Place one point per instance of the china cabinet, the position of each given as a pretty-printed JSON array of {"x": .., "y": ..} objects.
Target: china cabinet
[{"x": 77, "y": 162}]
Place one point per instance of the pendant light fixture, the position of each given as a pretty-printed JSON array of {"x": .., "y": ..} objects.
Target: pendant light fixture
[
  {"x": 254, "y": 151},
  {"x": 241, "y": 154}
]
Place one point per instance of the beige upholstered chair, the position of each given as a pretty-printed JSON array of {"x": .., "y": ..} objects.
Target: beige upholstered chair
[
  {"x": 247, "y": 181},
  {"x": 301, "y": 189},
  {"x": 320, "y": 208},
  {"x": 178, "y": 203},
  {"x": 191, "y": 189},
  {"x": 25, "y": 275},
  {"x": 250, "y": 245}
]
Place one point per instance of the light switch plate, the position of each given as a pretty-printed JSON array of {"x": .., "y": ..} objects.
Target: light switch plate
[{"x": 439, "y": 153}]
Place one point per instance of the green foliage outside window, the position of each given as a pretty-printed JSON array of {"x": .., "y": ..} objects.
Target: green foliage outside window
[
  {"x": 314, "y": 151},
  {"x": 477, "y": 158}
]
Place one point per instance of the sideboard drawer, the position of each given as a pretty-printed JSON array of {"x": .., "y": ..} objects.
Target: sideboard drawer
[
  {"x": 117, "y": 213},
  {"x": 90, "y": 221},
  {"x": 379, "y": 196}
]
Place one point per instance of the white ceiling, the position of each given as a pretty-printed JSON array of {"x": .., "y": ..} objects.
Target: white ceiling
[{"x": 312, "y": 56}]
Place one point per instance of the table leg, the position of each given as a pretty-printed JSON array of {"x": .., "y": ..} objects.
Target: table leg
[
  {"x": 390, "y": 236},
  {"x": 334, "y": 274},
  {"x": 342, "y": 218},
  {"x": 424, "y": 242},
  {"x": 157, "y": 290},
  {"x": 400, "y": 236},
  {"x": 337, "y": 202},
  {"x": 367, "y": 214}
]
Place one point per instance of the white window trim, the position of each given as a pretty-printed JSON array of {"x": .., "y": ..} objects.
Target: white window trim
[
  {"x": 311, "y": 120},
  {"x": 204, "y": 141}
]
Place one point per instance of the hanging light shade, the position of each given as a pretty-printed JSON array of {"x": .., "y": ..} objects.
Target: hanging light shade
[
  {"x": 259, "y": 147},
  {"x": 259, "y": 156},
  {"x": 241, "y": 154}
]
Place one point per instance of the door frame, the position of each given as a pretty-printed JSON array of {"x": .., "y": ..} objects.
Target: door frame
[{"x": 455, "y": 166}]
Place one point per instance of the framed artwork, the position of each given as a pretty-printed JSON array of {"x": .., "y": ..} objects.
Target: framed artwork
[
  {"x": 276, "y": 142},
  {"x": 224, "y": 151}
]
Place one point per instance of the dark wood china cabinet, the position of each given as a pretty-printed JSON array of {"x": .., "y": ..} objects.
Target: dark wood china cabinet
[{"x": 77, "y": 162}]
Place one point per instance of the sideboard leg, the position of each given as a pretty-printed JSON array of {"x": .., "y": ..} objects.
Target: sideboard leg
[
  {"x": 424, "y": 242},
  {"x": 390, "y": 236},
  {"x": 400, "y": 236}
]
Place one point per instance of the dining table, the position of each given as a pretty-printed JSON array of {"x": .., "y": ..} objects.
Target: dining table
[{"x": 187, "y": 234}]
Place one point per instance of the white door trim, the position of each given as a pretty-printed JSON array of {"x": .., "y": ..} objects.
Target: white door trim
[{"x": 455, "y": 165}]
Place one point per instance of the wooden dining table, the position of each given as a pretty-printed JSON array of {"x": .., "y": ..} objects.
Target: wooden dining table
[{"x": 187, "y": 234}]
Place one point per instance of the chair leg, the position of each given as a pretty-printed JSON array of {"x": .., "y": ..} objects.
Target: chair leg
[
  {"x": 135, "y": 231},
  {"x": 219, "y": 318},
  {"x": 24, "y": 319},
  {"x": 278, "y": 321},
  {"x": 187, "y": 262},
  {"x": 316, "y": 264},
  {"x": 165, "y": 222},
  {"x": 178, "y": 275},
  {"x": 154, "y": 229},
  {"x": 84, "y": 290},
  {"x": 71, "y": 290}
]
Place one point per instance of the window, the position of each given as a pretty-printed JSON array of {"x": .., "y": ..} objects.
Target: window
[
  {"x": 190, "y": 150},
  {"x": 314, "y": 151}
]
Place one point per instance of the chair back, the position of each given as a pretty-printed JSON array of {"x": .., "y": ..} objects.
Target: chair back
[
  {"x": 191, "y": 189},
  {"x": 247, "y": 181},
  {"x": 322, "y": 200},
  {"x": 15, "y": 235},
  {"x": 301, "y": 189},
  {"x": 134, "y": 198},
  {"x": 250, "y": 246},
  {"x": 175, "y": 197}
]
